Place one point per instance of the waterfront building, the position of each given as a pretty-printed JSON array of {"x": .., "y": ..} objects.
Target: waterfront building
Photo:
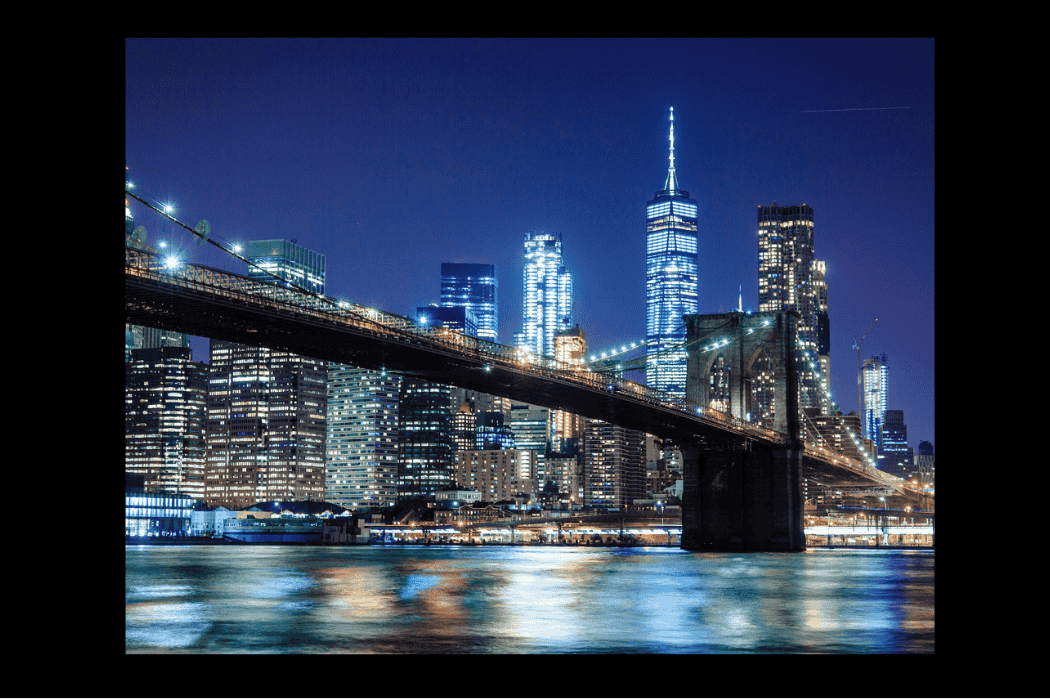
[
  {"x": 266, "y": 426},
  {"x": 873, "y": 385},
  {"x": 165, "y": 395},
  {"x": 613, "y": 465},
  {"x": 361, "y": 437},
  {"x": 497, "y": 474},
  {"x": 286, "y": 260},
  {"x": 154, "y": 514},
  {"x": 786, "y": 270},
  {"x": 546, "y": 295},
  {"x": 473, "y": 287},
  {"x": 671, "y": 279}
]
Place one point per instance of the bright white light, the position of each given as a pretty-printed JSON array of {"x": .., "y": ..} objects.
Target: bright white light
[{"x": 171, "y": 262}]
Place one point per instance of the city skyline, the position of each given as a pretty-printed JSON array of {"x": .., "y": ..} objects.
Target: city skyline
[{"x": 392, "y": 157}]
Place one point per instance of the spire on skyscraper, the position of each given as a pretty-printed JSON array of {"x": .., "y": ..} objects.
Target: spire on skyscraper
[{"x": 671, "y": 183}]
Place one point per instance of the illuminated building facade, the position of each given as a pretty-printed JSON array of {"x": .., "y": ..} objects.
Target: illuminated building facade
[
  {"x": 894, "y": 453},
  {"x": 671, "y": 279},
  {"x": 531, "y": 425},
  {"x": 790, "y": 279},
  {"x": 873, "y": 386},
  {"x": 304, "y": 268},
  {"x": 165, "y": 394},
  {"x": 497, "y": 474},
  {"x": 570, "y": 347},
  {"x": 424, "y": 438},
  {"x": 613, "y": 465},
  {"x": 546, "y": 295},
  {"x": 266, "y": 426},
  {"x": 361, "y": 437},
  {"x": 474, "y": 287}
]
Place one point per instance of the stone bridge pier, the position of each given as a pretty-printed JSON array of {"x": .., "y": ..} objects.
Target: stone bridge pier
[{"x": 743, "y": 494}]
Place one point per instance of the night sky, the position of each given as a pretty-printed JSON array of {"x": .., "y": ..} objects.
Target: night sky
[{"x": 392, "y": 156}]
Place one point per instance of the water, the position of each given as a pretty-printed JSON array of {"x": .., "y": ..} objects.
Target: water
[{"x": 498, "y": 599}]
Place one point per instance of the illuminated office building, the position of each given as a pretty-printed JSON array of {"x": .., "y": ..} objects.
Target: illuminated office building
[
  {"x": 546, "y": 296},
  {"x": 570, "y": 347},
  {"x": 361, "y": 437},
  {"x": 474, "y": 287},
  {"x": 164, "y": 420},
  {"x": 790, "y": 279},
  {"x": 873, "y": 386},
  {"x": 303, "y": 267},
  {"x": 671, "y": 279},
  {"x": 424, "y": 438},
  {"x": 895, "y": 455},
  {"x": 266, "y": 426}
]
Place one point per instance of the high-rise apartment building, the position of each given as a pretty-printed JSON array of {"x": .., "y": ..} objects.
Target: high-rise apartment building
[
  {"x": 266, "y": 426},
  {"x": 474, "y": 287},
  {"x": 671, "y": 279},
  {"x": 361, "y": 441},
  {"x": 546, "y": 295},
  {"x": 894, "y": 452},
  {"x": 497, "y": 474},
  {"x": 613, "y": 465},
  {"x": 304, "y": 268},
  {"x": 791, "y": 279},
  {"x": 873, "y": 382},
  {"x": 164, "y": 420}
]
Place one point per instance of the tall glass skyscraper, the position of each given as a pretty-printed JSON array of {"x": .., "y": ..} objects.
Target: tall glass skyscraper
[
  {"x": 873, "y": 375},
  {"x": 289, "y": 261},
  {"x": 547, "y": 294},
  {"x": 791, "y": 279},
  {"x": 474, "y": 287},
  {"x": 670, "y": 279}
]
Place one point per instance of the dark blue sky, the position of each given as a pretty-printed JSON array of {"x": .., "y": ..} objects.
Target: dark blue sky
[{"x": 392, "y": 156}]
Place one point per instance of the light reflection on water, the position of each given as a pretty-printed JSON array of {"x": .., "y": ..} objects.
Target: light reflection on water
[{"x": 447, "y": 599}]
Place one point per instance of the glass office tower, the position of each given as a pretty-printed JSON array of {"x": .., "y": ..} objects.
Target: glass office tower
[
  {"x": 301, "y": 266},
  {"x": 873, "y": 375},
  {"x": 474, "y": 287},
  {"x": 671, "y": 279},
  {"x": 546, "y": 296}
]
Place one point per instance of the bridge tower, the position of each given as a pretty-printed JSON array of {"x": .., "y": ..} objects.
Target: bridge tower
[{"x": 742, "y": 493}]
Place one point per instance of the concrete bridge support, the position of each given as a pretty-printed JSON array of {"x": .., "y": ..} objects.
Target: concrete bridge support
[{"x": 737, "y": 498}]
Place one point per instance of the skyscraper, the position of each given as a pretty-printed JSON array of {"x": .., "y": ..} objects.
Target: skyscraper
[
  {"x": 289, "y": 261},
  {"x": 266, "y": 426},
  {"x": 671, "y": 279},
  {"x": 474, "y": 287},
  {"x": 164, "y": 420},
  {"x": 790, "y": 279},
  {"x": 546, "y": 296},
  {"x": 361, "y": 443},
  {"x": 894, "y": 453},
  {"x": 873, "y": 376}
]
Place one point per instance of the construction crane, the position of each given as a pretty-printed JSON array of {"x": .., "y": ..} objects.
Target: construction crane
[{"x": 860, "y": 383}]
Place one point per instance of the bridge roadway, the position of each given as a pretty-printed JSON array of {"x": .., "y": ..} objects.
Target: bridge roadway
[{"x": 207, "y": 302}]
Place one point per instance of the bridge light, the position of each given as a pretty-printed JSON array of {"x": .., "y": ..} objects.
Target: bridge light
[{"x": 171, "y": 261}]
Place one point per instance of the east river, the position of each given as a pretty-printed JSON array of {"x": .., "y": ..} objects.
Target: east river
[{"x": 504, "y": 599}]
